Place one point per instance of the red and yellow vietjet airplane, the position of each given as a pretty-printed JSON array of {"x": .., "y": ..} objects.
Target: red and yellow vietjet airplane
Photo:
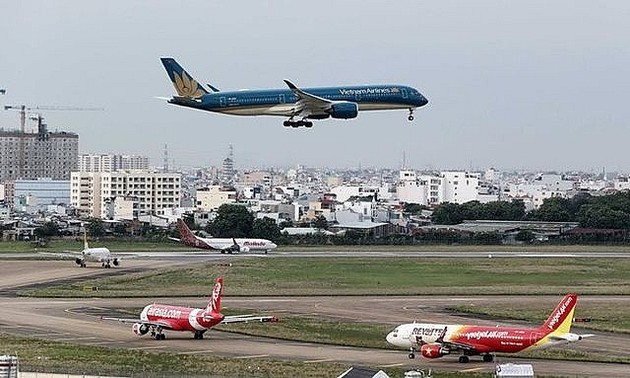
[
  {"x": 156, "y": 318},
  {"x": 437, "y": 340}
]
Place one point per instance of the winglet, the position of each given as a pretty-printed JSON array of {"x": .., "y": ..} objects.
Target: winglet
[{"x": 291, "y": 86}]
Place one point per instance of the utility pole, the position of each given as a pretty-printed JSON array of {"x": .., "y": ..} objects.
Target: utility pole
[{"x": 165, "y": 158}]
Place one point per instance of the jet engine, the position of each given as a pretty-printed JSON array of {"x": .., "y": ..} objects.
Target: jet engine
[
  {"x": 140, "y": 329},
  {"x": 344, "y": 109},
  {"x": 432, "y": 351},
  {"x": 243, "y": 249}
]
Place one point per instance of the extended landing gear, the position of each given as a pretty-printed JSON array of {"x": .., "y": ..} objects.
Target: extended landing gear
[
  {"x": 488, "y": 357},
  {"x": 295, "y": 124},
  {"x": 410, "y": 117},
  {"x": 464, "y": 359},
  {"x": 156, "y": 332},
  {"x": 198, "y": 335},
  {"x": 158, "y": 335},
  {"x": 106, "y": 265},
  {"x": 412, "y": 353}
]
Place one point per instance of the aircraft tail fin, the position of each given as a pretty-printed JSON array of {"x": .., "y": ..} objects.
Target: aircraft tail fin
[
  {"x": 187, "y": 237},
  {"x": 184, "y": 84},
  {"x": 214, "y": 303},
  {"x": 562, "y": 316},
  {"x": 85, "y": 242}
]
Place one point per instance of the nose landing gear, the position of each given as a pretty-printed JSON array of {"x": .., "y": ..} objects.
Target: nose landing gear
[{"x": 410, "y": 117}]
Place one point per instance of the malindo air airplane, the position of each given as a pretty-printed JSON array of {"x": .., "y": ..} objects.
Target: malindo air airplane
[
  {"x": 437, "y": 340},
  {"x": 225, "y": 245},
  {"x": 155, "y": 318},
  {"x": 298, "y": 105}
]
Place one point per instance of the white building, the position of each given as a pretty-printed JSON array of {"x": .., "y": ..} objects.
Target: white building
[
  {"x": 346, "y": 191},
  {"x": 212, "y": 197},
  {"x": 429, "y": 190},
  {"x": 622, "y": 183},
  {"x": 153, "y": 192},
  {"x": 460, "y": 187},
  {"x": 111, "y": 162}
]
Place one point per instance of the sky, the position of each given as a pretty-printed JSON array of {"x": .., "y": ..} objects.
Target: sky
[{"x": 537, "y": 85}]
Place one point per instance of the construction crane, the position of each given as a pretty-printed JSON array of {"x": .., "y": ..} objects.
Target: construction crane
[{"x": 23, "y": 109}]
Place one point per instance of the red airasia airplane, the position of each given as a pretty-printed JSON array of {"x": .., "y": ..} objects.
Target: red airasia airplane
[
  {"x": 437, "y": 340},
  {"x": 155, "y": 318}
]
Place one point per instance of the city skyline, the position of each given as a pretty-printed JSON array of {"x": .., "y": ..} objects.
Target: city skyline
[{"x": 524, "y": 85}]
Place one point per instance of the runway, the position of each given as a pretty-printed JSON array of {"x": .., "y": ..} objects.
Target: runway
[{"x": 78, "y": 321}]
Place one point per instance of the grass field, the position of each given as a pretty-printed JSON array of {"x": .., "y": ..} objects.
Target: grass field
[
  {"x": 115, "y": 245},
  {"x": 77, "y": 245},
  {"x": 368, "y": 276}
]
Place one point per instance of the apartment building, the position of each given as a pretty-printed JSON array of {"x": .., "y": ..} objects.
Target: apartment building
[
  {"x": 91, "y": 193},
  {"x": 37, "y": 155},
  {"x": 111, "y": 162}
]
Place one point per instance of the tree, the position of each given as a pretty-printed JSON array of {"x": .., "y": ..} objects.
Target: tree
[
  {"x": 232, "y": 221},
  {"x": 47, "y": 230},
  {"x": 95, "y": 227},
  {"x": 524, "y": 236},
  {"x": 413, "y": 208},
  {"x": 448, "y": 213},
  {"x": 320, "y": 223},
  {"x": 266, "y": 228}
]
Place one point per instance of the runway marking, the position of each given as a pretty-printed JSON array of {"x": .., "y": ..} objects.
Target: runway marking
[
  {"x": 254, "y": 356},
  {"x": 150, "y": 347},
  {"x": 198, "y": 351},
  {"x": 471, "y": 370},
  {"x": 393, "y": 365},
  {"x": 316, "y": 361},
  {"x": 77, "y": 338}
]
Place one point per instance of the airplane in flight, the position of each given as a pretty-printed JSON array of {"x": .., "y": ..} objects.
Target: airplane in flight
[
  {"x": 437, "y": 340},
  {"x": 299, "y": 105},
  {"x": 99, "y": 254},
  {"x": 224, "y": 245},
  {"x": 155, "y": 318}
]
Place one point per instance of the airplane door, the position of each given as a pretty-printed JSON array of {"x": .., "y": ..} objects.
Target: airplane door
[
  {"x": 222, "y": 101},
  {"x": 281, "y": 99},
  {"x": 404, "y": 92}
]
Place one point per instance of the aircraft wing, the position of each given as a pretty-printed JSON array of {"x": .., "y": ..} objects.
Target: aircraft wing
[
  {"x": 164, "y": 325},
  {"x": 248, "y": 319},
  {"x": 63, "y": 255},
  {"x": 307, "y": 103},
  {"x": 458, "y": 346}
]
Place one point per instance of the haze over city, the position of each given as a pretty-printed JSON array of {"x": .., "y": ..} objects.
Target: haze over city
[{"x": 535, "y": 85}]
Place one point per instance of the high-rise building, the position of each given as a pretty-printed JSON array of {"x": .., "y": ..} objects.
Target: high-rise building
[
  {"x": 92, "y": 193},
  {"x": 37, "y": 155},
  {"x": 111, "y": 162}
]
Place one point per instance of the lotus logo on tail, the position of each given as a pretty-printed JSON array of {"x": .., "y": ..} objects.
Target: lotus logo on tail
[{"x": 187, "y": 86}]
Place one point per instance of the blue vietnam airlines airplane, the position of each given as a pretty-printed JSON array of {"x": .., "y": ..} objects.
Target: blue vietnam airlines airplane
[{"x": 297, "y": 104}]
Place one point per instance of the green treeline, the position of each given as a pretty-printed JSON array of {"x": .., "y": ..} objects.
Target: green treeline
[{"x": 604, "y": 212}]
